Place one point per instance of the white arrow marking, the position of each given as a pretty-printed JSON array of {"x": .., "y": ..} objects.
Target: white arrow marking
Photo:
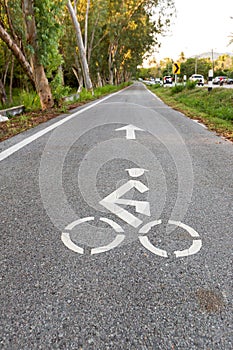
[
  {"x": 130, "y": 131},
  {"x": 110, "y": 202}
]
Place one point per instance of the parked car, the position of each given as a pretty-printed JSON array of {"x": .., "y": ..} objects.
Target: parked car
[
  {"x": 219, "y": 80},
  {"x": 229, "y": 81},
  {"x": 198, "y": 78},
  {"x": 158, "y": 81},
  {"x": 167, "y": 79}
]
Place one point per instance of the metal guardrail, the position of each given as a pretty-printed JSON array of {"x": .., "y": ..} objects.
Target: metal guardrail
[{"x": 12, "y": 111}]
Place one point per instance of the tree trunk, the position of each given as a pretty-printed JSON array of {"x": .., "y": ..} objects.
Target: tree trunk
[
  {"x": 110, "y": 68},
  {"x": 42, "y": 85},
  {"x": 3, "y": 97},
  {"x": 41, "y": 81},
  {"x": 11, "y": 77},
  {"x": 6, "y": 71},
  {"x": 99, "y": 80},
  {"x": 17, "y": 53},
  {"x": 86, "y": 25},
  {"x": 83, "y": 60},
  {"x": 79, "y": 77}
]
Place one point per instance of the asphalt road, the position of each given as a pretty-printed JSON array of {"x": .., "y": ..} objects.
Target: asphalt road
[{"x": 116, "y": 231}]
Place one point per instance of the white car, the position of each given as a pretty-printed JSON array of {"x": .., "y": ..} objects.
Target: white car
[
  {"x": 167, "y": 80},
  {"x": 198, "y": 78}
]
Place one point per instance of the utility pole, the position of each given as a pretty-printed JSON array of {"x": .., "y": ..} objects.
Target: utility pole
[
  {"x": 196, "y": 65},
  {"x": 213, "y": 60}
]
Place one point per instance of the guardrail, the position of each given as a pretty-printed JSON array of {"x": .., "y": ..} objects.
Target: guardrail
[
  {"x": 12, "y": 111},
  {"x": 71, "y": 98}
]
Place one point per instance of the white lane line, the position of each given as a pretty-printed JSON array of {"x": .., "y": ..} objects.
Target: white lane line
[
  {"x": 8, "y": 152},
  {"x": 199, "y": 123}
]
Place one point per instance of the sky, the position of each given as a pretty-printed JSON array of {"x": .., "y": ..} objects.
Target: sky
[{"x": 199, "y": 26}]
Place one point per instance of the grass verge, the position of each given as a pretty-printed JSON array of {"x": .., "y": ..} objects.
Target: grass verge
[
  {"x": 34, "y": 116},
  {"x": 214, "y": 108}
]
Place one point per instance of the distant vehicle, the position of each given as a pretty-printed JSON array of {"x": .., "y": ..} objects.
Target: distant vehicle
[
  {"x": 219, "y": 80},
  {"x": 198, "y": 78},
  {"x": 158, "y": 81},
  {"x": 229, "y": 81},
  {"x": 167, "y": 79}
]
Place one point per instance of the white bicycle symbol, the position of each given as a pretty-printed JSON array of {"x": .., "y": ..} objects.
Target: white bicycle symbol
[{"x": 112, "y": 203}]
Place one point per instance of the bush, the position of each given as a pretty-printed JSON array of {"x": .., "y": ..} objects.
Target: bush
[
  {"x": 190, "y": 85},
  {"x": 30, "y": 100},
  {"x": 58, "y": 89},
  {"x": 177, "y": 88}
]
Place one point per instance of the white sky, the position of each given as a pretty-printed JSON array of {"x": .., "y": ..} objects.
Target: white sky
[{"x": 200, "y": 26}]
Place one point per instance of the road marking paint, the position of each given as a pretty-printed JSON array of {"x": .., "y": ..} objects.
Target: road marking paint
[
  {"x": 130, "y": 131},
  {"x": 136, "y": 172},
  {"x": 77, "y": 222},
  {"x": 65, "y": 237},
  {"x": 201, "y": 124},
  {"x": 11, "y": 150},
  {"x": 146, "y": 243},
  {"x": 112, "y": 223},
  {"x": 112, "y": 245},
  {"x": 110, "y": 202},
  {"x": 146, "y": 228},
  {"x": 189, "y": 229},
  {"x": 195, "y": 247}
]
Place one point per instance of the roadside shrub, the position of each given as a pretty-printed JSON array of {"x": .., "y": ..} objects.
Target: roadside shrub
[
  {"x": 156, "y": 86},
  {"x": 190, "y": 85},
  {"x": 85, "y": 95},
  {"x": 58, "y": 90},
  {"x": 177, "y": 88},
  {"x": 30, "y": 100}
]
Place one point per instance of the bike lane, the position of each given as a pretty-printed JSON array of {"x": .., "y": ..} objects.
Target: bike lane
[{"x": 119, "y": 184}]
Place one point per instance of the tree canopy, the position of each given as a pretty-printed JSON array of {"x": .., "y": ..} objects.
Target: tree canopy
[{"x": 101, "y": 41}]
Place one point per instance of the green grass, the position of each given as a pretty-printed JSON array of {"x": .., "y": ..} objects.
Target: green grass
[
  {"x": 101, "y": 91},
  {"x": 214, "y": 108}
]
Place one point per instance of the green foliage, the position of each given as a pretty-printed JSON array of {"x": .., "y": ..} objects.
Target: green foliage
[
  {"x": 192, "y": 65},
  {"x": 48, "y": 14},
  {"x": 214, "y": 108},
  {"x": 190, "y": 85},
  {"x": 29, "y": 99},
  {"x": 215, "y": 104},
  {"x": 86, "y": 96},
  {"x": 100, "y": 91},
  {"x": 58, "y": 89},
  {"x": 177, "y": 88}
]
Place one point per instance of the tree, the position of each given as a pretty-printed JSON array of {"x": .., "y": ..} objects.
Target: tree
[
  {"x": 203, "y": 66},
  {"x": 82, "y": 49},
  {"x": 33, "y": 39}
]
